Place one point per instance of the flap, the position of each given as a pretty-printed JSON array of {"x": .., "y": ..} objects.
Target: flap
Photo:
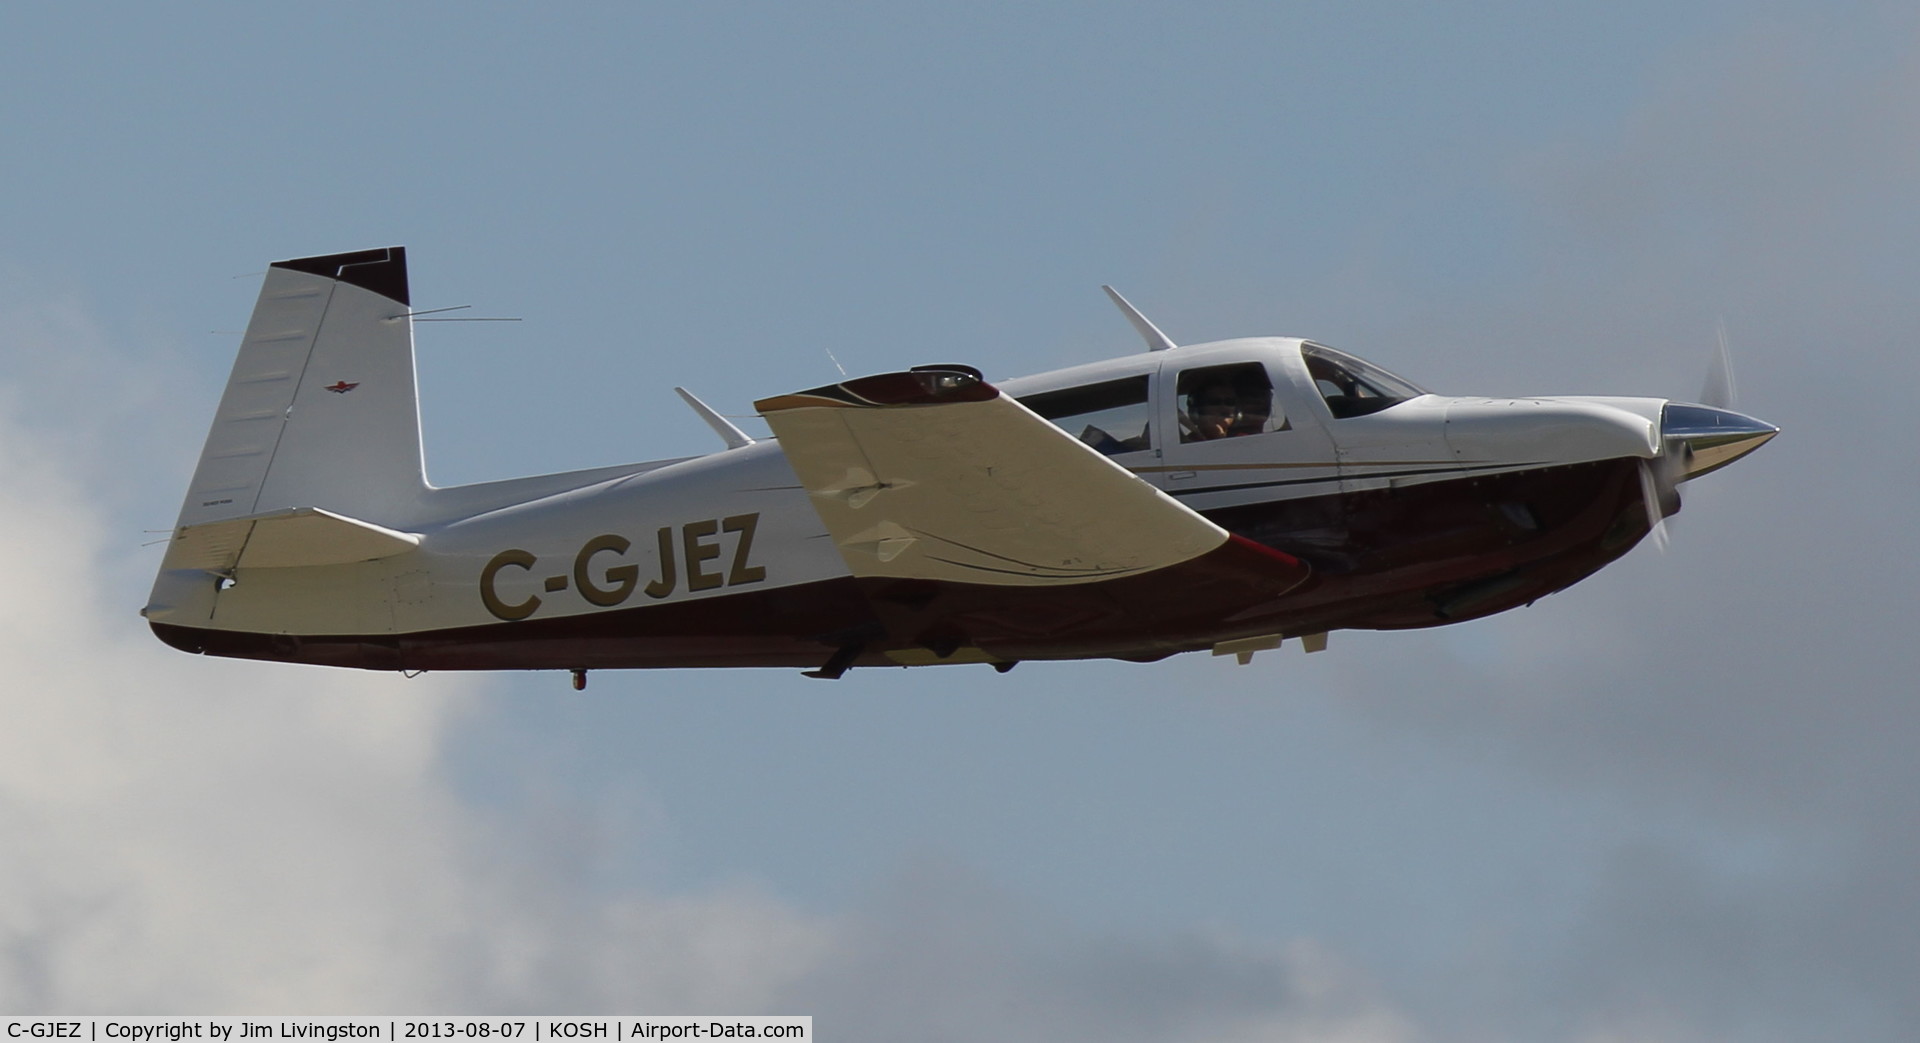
[
  {"x": 281, "y": 539},
  {"x": 934, "y": 474}
]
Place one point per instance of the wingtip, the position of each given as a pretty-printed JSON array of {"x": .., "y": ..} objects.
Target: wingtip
[{"x": 920, "y": 386}]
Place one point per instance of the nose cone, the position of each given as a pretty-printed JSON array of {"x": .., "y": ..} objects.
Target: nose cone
[{"x": 1702, "y": 438}]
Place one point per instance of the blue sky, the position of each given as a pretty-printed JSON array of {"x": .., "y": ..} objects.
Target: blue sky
[{"x": 1673, "y": 803}]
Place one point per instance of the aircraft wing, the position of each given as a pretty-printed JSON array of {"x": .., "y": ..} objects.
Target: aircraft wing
[{"x": 934, "y": 474}]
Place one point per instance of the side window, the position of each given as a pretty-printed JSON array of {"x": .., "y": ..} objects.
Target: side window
[
  {"x": 1226, "y": 402},
  {"x": 1111, "y": 416}
]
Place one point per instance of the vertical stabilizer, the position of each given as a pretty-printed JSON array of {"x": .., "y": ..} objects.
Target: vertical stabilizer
[{"x": 321, "y": 409}]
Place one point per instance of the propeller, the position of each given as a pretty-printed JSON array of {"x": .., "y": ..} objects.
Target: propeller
[
  {"x": 1651, "y": 496},
  {"x": 1718, "y": 391},
  {"x": 1660, "y": 477}
]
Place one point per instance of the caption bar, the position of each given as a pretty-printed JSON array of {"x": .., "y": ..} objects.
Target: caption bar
[{"x": 402, "y": 1030}]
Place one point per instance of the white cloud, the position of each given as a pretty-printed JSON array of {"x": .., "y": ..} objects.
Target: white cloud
[
  {"x": 194, "y": 834},
  {"x": 945, "y": 955}
]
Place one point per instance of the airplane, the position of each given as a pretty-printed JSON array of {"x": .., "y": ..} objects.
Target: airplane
[{"x": 1220, "y": 497}]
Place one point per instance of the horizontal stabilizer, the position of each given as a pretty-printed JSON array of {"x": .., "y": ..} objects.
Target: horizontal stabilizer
[
  {"x": 287, "y": 538},
  {"x": 936, "y": 475}
]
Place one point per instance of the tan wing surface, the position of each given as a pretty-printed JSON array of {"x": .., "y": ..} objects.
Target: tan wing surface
[{"x": 934, "y": 474}]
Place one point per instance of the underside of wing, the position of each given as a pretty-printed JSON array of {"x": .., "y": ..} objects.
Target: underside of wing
[{"x": 934, "y": 474}]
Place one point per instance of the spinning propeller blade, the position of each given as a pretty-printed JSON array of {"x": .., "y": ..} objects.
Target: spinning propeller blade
[
  {"x": 1697, "y": 439},
  {"x": 1718, "y": 391}
]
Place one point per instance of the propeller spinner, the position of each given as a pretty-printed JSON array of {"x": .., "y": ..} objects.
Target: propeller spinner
[{"x": 1697, "y": 439}]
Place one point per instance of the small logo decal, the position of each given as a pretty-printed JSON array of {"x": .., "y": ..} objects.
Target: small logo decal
[{"x": 342, "y": 387}]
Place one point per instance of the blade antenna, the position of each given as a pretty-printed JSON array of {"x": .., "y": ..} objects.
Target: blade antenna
[
  {"x": 1156, "y": 340},
  {"x": 733, "y": 436}
]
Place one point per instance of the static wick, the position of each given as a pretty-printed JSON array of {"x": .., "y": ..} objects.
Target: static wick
[{"x": 836, "y": 363}]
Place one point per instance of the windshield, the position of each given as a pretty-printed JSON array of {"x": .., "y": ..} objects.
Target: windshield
[{"x": 1353, "y": 387}]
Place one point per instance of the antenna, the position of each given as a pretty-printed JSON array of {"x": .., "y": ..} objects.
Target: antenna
[
  {"x": 1156, "y": 340},
  {"x": 429, "y": 311},
  {"x": 415, "y": 315},
  {"x": 733, "y": 436}
]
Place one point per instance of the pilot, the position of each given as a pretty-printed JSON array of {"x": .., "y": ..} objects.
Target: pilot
[
  {"x": 1256, "y": 410},
  {"x": 1213, "y": 411}
]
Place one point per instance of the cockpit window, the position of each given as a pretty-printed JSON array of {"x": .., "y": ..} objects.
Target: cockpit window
[
  {"x": 1111, "y": 416},
  {"x": 1352, "y": 387},
  {"x": 1226, "y": 402}
]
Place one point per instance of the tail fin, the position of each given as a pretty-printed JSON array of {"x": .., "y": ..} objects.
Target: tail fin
[{"x": 321, "y": 409}]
